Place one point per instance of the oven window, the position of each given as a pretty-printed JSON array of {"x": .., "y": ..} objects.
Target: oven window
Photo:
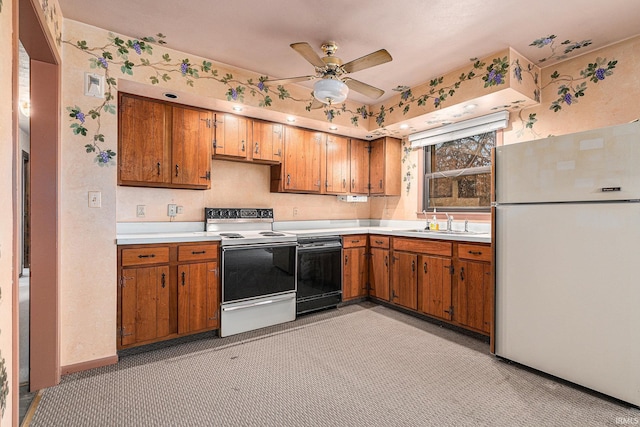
[
  {"x": 319, "y": 272},
  {"x": 257, "y": 271}
]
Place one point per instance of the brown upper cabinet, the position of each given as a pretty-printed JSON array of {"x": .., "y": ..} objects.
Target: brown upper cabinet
[
  {"x": 231, "y": 136},
  {"x": 300, "y": 169},
  {"x": 163, "y": 145},
  {"x": 266, "y": 145},
  {"x": 385, "y": 167},
  {"x": 359, "y": 167},
  {"x": 337, "y": 165}
]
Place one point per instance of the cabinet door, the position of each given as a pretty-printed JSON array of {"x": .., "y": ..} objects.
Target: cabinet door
[
  {"x": 475, "y": 296},
  {"x": 434, "y": 286},
  {"x": 191, "y": 141},
  {"x": 143, "y": 143},
  {"x": 337, "y": 153},
  {"x": 359, "y": 167},
  {"x": 301, "y": 170},
  {"x": 385, "y": 167},
  {"x": 144, "y": 304},
  {"x": 232, "y": 136},
  {"x": 354, "y": 273},
  {"x": 404, "y": 285},
  {"x": 267, "y": 141},
  {"x": 198, "y": 298},
  {"x": 379, "y": 274}
]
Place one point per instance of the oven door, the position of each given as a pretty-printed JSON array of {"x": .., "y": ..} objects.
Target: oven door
[
  {"x": 319, "y": 275},
  {"x": 253, "y": 271}
]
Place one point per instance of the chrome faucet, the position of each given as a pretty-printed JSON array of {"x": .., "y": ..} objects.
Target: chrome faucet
[
  {"x": 449, "y": 221},
  {"x": 426, "y": 227},
  {"x": 466, "y": 225}
]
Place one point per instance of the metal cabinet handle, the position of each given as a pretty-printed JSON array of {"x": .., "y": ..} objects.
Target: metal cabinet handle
[
  {"x": 147, "y": 256},
  {"x": 379, "y": 242},
  {"x": 425, "y": 267},
  {"x": 198, "y": 252},
  {"x": 257, "y": 147},
  {"x": 344, "y": 183},
  {"x": 461, "y": 273},
  {"x": 177, "y": 169},
  {"x": 353, "y": 183},
  {"x": 413, "y": 265},
  {"x": 475, "y": 252},
  {"x": 242, "y": 145},
  {"x": 386, "y": 260},
  {"x": 158, "y": 168},
  {"x": 288, "y": 179},
  {"x": 346, "y": 259},
  {"x": 183, "y": 278},
  {"x": 381, "y": 184},
  {"x": 162, "y": 281}
]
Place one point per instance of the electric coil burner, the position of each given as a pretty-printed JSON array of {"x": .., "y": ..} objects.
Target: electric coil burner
[{"x": 259, "y": 269}]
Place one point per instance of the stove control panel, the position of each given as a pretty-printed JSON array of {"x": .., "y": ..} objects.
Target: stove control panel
[{"x": 237, "y": 213}]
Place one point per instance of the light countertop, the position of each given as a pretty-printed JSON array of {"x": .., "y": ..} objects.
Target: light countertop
[{"x": 156, "y": 234}]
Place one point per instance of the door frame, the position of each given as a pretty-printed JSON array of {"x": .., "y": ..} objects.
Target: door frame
[{"x": 29, "y": 26}]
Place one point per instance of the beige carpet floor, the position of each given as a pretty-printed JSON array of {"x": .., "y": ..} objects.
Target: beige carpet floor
[{"x": 359, "y": 365}]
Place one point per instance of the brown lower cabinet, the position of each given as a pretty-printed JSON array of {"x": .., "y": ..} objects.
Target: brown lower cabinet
[
  {"x": 447, "y": 280},
  {"x": 166, "y": 291},
  {"x": 354, "y": 267}
]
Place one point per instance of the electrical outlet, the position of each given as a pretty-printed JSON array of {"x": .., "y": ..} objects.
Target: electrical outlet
[
  {"x": 95, "y": 199},
  {"x": 295, "y": 211},
  {"x": 172, "y": 210},
  {"x": 180, "y": 210},
  {"x": 141, "y": 211}
]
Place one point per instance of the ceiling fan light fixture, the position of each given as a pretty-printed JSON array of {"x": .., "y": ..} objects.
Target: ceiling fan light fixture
[{"x": 330, "y": 91}]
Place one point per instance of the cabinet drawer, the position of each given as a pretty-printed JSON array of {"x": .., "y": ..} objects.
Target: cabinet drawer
[
  {"x": 197, "y": 252},
  {"x": 379, "y": 242},
  {"x": 424, "y": 246},
  {"x": 355, "y": 241},
  {"x": 141, "y": 256},
  {"x": 475, "y": 252}
]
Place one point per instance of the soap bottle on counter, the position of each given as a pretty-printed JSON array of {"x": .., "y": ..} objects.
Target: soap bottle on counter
[{"x": 434, "y": 224}]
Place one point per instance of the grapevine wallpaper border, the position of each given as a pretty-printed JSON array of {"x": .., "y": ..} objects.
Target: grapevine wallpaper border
[{"x": 126, "y": 55}]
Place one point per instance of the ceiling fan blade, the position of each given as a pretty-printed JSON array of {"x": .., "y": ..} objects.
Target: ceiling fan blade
[
  {"x": 363, "y": 88},
  {"x": 371, "y": 60},
  {"x": 290, "y": 80},
  {"x": 307, "y": 52}
]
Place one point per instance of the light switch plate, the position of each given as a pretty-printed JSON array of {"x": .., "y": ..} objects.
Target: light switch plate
[
  {"x": 95, "y": 199},
  {"x": 172, "y": 210}
]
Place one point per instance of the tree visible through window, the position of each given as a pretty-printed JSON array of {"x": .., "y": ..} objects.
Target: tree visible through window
[{"x": 458, "y": 173}]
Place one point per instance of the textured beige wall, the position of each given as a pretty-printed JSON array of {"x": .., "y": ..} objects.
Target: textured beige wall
[{"x": 6, "y": 196}]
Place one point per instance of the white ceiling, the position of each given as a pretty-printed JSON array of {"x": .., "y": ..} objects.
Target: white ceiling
[{"x": 425, "y": 38}]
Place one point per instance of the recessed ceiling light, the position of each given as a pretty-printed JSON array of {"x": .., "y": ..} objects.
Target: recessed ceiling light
[
  {"x": 291, "y": 119},
  {"x": 170, "y": 95},
  {"x": 404, "y": 126},
  {"x": 236, "y": 108},
  {"x": 333, "y": 127},
  {"x": 470, "y": 107}
]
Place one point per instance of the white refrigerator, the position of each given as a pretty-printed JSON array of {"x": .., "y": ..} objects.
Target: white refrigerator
[{"x": 567, "y": 242}]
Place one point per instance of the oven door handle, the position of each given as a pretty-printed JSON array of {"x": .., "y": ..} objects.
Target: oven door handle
[
  {"x": 259, "y": 303},
  {"x": 258, "y": 246},
  {"x": 320, "y": 247}
]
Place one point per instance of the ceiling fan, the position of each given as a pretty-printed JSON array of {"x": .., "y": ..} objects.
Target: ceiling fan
[{"x": 333, "y": 86}]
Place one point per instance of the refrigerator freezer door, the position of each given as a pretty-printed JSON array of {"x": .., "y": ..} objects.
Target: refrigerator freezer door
[
  {"x": 602, "y": 164},
  {"x": 568, "y": 293}
]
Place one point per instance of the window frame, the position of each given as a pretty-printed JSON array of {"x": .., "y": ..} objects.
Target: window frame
[{"x": 426, "y": 175}]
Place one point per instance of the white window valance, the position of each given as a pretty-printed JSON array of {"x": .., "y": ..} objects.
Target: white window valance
[{"x": 458, "y": 130}]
